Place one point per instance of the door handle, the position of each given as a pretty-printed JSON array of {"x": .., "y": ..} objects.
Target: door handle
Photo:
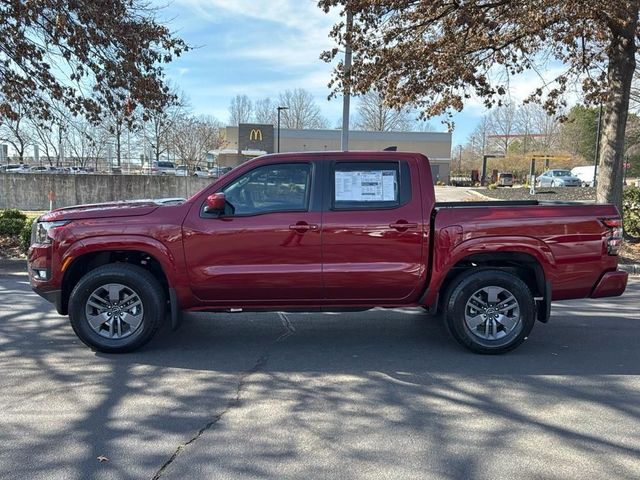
[
  {"x": 302, "y": 227},
  {"x": 402, "y": 225}
]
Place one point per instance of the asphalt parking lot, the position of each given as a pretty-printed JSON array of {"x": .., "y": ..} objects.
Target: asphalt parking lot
[{"x": 380, "y": 394}]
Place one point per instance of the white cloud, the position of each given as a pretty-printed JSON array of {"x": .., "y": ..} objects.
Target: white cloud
[{"x": 298, "y": 33}]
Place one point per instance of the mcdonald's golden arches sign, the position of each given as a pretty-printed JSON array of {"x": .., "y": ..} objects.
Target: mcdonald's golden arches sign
[{"x": 253, "y": 136}]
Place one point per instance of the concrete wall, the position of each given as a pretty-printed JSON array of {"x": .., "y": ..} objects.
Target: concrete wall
[{"x": 31, "y": 191}]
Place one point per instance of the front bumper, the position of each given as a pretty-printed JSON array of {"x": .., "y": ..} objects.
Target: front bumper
[
  {"x": 611, "y": 284},
  {"x": 53, "y": 296},
  {"x": 49, "y": 287}
]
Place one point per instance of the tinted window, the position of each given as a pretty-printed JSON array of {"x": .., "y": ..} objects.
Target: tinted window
[
  {"x": 562, "y": 173},
  {"x": 271, "y": 188},
  {"x": 366, "y": 185},
  {"x": 166, "y": 165}
]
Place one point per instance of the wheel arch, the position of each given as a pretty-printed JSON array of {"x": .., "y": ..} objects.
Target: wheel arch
[
  {"x": 525, "y": 265},
  {"x": 86, "y": 259}
]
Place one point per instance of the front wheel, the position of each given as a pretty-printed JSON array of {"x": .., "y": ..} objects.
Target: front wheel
[
  {"x": 490, "y": 311},
  {"x": 116, "y": 308}
]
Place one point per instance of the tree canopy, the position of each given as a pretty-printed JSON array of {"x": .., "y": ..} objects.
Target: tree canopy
[
  {"x": 83, "y": 55},
  {"x": 437, "y": 54}
]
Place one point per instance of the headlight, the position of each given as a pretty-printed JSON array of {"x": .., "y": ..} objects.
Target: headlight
[{"x": 41, "y": 231}]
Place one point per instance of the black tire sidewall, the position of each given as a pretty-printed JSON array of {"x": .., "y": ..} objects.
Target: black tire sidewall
[
  {"x": 136, "y": 278},
  {"x": 462, "y": 291}
]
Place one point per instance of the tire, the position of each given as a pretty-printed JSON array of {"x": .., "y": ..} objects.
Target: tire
[
  {"x": 131, "y": 320},
  {"x": 467, "y": 323}
]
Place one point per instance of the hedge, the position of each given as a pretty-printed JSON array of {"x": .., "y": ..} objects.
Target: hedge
[{"x": 631, "y": 209}]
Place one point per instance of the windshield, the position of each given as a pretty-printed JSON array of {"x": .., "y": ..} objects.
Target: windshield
[{"x": 562, "y": 173}]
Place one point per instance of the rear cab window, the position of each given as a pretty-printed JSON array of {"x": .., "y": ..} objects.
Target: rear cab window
[{"x": 370, "y": 185}]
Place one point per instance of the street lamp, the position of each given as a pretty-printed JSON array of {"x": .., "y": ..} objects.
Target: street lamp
[{"x": 279, "y": 110}]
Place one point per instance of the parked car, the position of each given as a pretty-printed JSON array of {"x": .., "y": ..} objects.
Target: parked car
[
  {"x": 18, "y": 168},
  {"x": 323, "y": 231},
  {"x": 182, "y": 171},
  {"x": 216, "y": 172},
  {"x": 200, "y": 172},
  {"x": 505, "y": 179},
  {"x": 163, "y": 168},
  {"x": 558, "y": 178},
  {"x": 585, "y": 174}
]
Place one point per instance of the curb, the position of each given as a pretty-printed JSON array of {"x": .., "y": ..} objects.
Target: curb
[
  {"x": 482, "y": 196},
  {"x": 13, "y": 265},
  {"x": 630, "y": 268}
]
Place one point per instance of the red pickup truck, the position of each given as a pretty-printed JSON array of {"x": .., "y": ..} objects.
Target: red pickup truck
[{"x": 338, "y": 231}]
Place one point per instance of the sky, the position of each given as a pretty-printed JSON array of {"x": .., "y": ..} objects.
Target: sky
[{"x": 260, "y": 48}]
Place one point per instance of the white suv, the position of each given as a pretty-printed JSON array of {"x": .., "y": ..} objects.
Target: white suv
[{"x": 163, "y": 168}]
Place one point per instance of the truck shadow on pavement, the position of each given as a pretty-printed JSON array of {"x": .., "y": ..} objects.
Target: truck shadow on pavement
[{"x": 320, "y": 395}]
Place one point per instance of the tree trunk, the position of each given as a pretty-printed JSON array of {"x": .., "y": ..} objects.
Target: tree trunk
[
  {"x": 118, "y": 145},
  {"x": 614, "y": 118}
]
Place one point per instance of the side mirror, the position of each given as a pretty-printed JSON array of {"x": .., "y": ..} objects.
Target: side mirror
[{"x": 216, "y": 203}]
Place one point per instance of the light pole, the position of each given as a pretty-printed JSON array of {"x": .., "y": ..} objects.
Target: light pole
[
  {"x": 279, "y": 110},
  {"x": 346, "y": 94}
]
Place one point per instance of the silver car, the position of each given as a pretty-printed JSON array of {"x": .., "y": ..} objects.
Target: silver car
[
  {"x": 558, "y": 178},
  {"x": 163, "y": 168}
]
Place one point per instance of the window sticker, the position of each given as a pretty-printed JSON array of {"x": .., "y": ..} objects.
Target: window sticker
[{"x": 366, "y": 186}]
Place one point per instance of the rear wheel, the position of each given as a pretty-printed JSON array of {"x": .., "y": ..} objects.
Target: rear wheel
[
  {"x": 490, "y": 311},
  {"x": 116, "y": 308}
]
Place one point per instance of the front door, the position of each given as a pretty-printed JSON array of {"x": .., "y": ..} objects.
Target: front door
[{"x": 266, "y": 249}]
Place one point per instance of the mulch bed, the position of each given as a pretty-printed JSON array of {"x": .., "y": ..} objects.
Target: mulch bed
[
  {"x": 10, "y": 247},
  {"x": 563, "y": 194},
  {"x": 630, "y": 253}
]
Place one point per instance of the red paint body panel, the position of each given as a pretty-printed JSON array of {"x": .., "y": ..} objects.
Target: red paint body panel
[
  {"x": 345, "y": 258},
  {"x": 612, "y": 284}
]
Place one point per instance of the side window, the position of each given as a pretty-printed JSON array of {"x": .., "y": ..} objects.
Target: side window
[
  {"x": 271, "y": 188},
  {"x": 368, "y": 185}
]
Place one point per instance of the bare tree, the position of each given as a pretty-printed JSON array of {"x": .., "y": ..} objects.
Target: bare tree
[
  {"x": 545, "y": 126},
  {"x": 87, "y": 142},
  {"x": 302, "y": 110},
  {"x": 194, "y": 137},
  {"x": 156, "y": 131},
  {"x": 375, "y": 115},
  {"x": 476, "y": 145},
  {"x": 16, "y": 131},
  {"x": 503, "y": 125},
  {"x": 422, "y": 125},
  {"x": 266, "y": 111},
  {"x": 46, "y": 136},
  {"x": 240, "y": 110},
  {"x": 634, "y": 98}
]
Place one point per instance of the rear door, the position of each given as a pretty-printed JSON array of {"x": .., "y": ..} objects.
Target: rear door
[{"x": 372, "y": 231}]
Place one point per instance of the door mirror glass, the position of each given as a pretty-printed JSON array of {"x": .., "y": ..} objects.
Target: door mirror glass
[{"x": 216, "y": 203}]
